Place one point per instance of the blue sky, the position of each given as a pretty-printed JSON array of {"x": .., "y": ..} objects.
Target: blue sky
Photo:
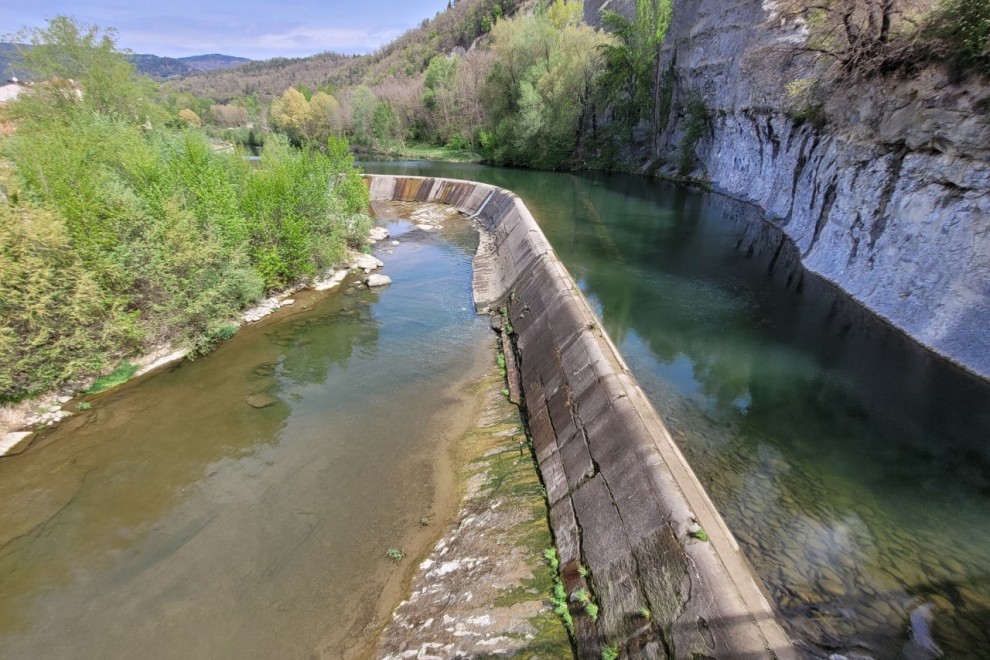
[{"x": 247, "y": 28}]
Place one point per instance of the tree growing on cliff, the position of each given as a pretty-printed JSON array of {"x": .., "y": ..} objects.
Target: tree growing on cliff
[{"x": 632, "y": 74}]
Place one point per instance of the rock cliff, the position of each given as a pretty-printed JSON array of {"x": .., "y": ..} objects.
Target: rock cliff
[{"x": 888, "y": 197}]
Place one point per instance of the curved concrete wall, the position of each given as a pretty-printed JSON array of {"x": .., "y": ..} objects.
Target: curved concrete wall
[{"x": 624, "y": 504}]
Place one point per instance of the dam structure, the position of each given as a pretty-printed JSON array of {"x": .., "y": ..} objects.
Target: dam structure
[{"x": 635, "y": 532}]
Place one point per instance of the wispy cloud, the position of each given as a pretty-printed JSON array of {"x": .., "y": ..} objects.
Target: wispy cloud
[{"x": 315, "y": 39}]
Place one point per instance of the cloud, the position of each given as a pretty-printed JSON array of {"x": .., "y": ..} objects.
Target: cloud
[{"x": 315, "y": 39}]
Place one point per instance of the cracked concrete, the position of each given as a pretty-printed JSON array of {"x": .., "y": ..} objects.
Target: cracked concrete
[{"x": 623, "y": 499}]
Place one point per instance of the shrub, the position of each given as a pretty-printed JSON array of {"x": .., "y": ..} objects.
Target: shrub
[{"x": 962, "y": 30}]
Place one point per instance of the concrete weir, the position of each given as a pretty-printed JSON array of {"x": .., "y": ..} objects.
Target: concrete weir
[{"x": 636, "y": 533}]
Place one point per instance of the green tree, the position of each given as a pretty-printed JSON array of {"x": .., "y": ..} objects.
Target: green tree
[
  {"x": 632, "y": 75},
  {"x": 440, "y": 98},
  {"x": 67, "y": 50},
  {"x": 540, "y": 88}
]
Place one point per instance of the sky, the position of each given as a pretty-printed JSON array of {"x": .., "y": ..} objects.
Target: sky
[{"x": 257, "y": 29}]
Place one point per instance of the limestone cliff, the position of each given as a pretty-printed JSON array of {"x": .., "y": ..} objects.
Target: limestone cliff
[{"x": 889, "y": 199}]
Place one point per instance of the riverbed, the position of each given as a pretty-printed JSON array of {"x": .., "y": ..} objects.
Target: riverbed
[{"x": 175, "y": 520}]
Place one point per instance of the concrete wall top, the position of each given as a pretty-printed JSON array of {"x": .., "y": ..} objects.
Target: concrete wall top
[{"x": 633, "y": 526}]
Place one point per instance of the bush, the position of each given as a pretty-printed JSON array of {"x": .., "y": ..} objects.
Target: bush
[
  {"x": 56, "y": 324},
  {"x": 961, "y": 29},
  {"x": 115, "y": 235}
]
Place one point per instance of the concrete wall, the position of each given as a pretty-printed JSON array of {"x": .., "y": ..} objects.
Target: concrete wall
[{"x": 624, "y": 504}]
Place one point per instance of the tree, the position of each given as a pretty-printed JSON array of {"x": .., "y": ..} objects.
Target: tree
[
  {"x": 540, "y": 86},
  {"x": 440, "y": 99},
  {"x": 289, "y": 114},
  {"x": 68, "y": 50},
  {"x": 632, "y": 73},
  {"x": 229, "y": 116},
  {"x": 862, "y": 36},
  {"x": 363, "y": 104}
]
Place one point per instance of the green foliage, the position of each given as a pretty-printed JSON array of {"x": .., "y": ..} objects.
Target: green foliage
[
  {"x": 963, "y": 29},
  {"x": 119, "y": 375},
  {"x": 550, "y": 554},
  {"x": 806, "y": 100},
  {"x": 115, "y": 235},
  {"x": 631, "y": 76},
  {"x": 395, "y": 554},
  {"x": 85, "y": 405},
  {"x": 699, "y": 534},
  {"x": 560, "y": 608},
  {"x": 67, "y": 52},
  {"x": 610, "y": 653},
  {"x": 539, "y": 89},
  {"x": 56, "y": 324}
]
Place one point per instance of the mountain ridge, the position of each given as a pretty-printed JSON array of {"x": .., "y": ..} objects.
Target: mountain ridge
[{"x": 156, "y": 66}]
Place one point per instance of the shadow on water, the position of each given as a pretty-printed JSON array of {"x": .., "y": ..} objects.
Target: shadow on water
[{"x": 851, "y": 463}]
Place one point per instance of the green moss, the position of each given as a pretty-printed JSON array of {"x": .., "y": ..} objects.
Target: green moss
[{"x": 119, "y": 375}]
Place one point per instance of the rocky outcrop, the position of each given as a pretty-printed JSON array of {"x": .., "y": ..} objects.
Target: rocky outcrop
[
  {"x": 889, "y": 199},
  {"x": 638, "y": 539}
]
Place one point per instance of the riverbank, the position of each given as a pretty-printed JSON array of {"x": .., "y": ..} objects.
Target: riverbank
[
  {"x": 484, "y": 588},
  {"x": 19, "y": 421}
]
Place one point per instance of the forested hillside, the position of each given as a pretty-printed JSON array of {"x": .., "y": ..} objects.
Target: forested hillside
[{"x": 118, "y": 233}]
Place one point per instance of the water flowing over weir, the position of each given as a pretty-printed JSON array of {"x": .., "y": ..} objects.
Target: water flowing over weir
[{"x": 851, "y": 464}]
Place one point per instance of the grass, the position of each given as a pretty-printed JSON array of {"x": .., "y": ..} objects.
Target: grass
[
  {"x": 699, "y": 534},
  {"x": 85, "y": 405},
  {"x": 395, "y": 554},
  {"x": 429, "y": 152},
  {"x": 119, "y": 375}
]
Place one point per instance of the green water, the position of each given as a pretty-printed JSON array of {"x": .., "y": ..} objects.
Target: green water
[
  {"x": 173, "y": 520},
  {"x": 853, "y": 466}
]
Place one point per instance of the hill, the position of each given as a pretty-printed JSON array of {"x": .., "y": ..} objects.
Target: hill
[
  {"x": 163, "y": 68},
  {"x": 457, "y": 27},
  {"x": 213, "y": 61},
  {"x": 155, "y": 66}
]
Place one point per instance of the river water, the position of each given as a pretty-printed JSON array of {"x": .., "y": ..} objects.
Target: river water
[
  {"x": 173, "y": 520},
  {"x": 852, "y": 465}
]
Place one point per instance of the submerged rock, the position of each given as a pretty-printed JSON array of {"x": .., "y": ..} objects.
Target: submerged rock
[{"x": 261, "y": 400}]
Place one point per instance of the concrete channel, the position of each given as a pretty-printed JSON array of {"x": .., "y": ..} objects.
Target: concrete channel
[{"x": 635, "y": 532}]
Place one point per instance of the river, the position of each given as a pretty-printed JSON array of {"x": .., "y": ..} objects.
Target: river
[
  {"x": 852, "y": 465},
  {"x": 174, "y": 520}
]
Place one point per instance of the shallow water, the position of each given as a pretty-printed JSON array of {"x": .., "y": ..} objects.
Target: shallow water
[
  {"x": 173, "y": 520},
  {"x": 853, "y": 466}
]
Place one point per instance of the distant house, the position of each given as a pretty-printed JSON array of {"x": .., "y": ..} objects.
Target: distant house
[{"x": 11, "y": 90}]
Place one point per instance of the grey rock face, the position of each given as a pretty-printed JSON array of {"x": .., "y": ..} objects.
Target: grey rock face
[{"x": 890, "y": 201}]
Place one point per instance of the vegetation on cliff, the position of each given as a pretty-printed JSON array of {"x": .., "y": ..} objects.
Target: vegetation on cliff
[{"x": 117, "y": 233}]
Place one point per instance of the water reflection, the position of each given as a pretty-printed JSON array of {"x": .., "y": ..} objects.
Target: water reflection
[{"x": 853, "y": 465}]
